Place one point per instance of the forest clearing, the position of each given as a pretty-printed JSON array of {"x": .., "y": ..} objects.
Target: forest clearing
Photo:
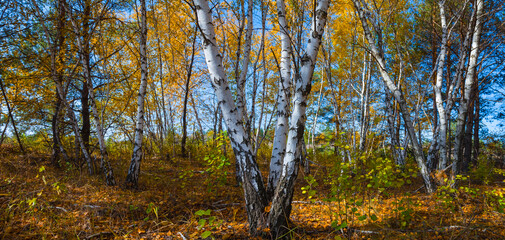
[{"x": 252, "y": 119}]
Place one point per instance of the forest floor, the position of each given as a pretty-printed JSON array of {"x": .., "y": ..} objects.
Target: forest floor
[{"x": 38, "y": 201}]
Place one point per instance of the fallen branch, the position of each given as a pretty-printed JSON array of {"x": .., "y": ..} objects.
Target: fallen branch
[{"x": 60, "y": 208}]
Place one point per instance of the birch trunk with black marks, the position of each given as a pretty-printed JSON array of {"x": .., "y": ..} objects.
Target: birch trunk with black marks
[
  {"x": 450, "y": 99},
  {"x": 105, "y": 163},
  {"x": 241, "y": 74},
  {"x": 242, "y": 77},
  {"x": 281, "y": 203},
  {"x": 252, "y": 181},
  {"x": 364, "y": 103},
  {"x": 363, "y": 14},
  {"x": 439, "y": 101},
  {"x": 281, "y": 129},
  {"x": 134, "y": 169},
  {"x": 469, "y": 82}
]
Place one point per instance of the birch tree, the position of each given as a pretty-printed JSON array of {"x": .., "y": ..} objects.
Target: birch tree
[
  {"x": 254, "y": 190},
  {"x": 281, "y": 129},
  {"x": 252, "y": 181},
  {"x": 366, "y": 16},
  {"x": 281, "y": 203},
  {"x": 134, "y": 169},
  {"x": 468, "y": 84}
]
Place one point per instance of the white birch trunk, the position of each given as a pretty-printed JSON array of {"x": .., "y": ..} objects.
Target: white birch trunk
[
  {"x": 75, "y": 126},
  {"x": 439, "y": 101},
  {"x": 241, "y": 82},
  {"x": 281, "y": 204},
  {"x": 134, "y": 169},
  {"x": 418, "y": 151},
  {"x": 469, "y": 81},
  {"x": 365, "y": 104},
  {"x": 107, "y": 169},
  {"x": 254, "y": 191},
  {"x": 281, "y": 129}
]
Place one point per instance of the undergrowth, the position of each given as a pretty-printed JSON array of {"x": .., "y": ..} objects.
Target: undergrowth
[{"x": 348, "y": 195}]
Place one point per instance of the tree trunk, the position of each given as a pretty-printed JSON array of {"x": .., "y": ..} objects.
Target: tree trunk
[
  {"x": 134, "y": 169},
  {"x": 418, "y": 151},
  {"x": 439, "y": 101},
  {"x": 55, "y": 53},
  {"x": 55, "y": 156},
  {"x": 365, "y": 104},
  {"x": 198, "y": 120},
  {"x": 467, "y": 140},
  {"x": 105, "y": 163},
  {"x": 186, "y": 98},
  {"x": 85, "y": 113},
  {"x": 465, "y": 98},
  {"x": 281, "y": 203},
  {"x": 281, "y": 129},
  {"x": 252, "y": 181},
  {"x": 241, "y": 79},
  {"x": 476, "y": 127},
  {"x": 2, "y": 137},
  {"x": 9, "y": 110}
]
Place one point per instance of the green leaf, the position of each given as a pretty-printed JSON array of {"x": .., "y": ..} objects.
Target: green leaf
[
  {"x": 373, "y": 217},
  {"x": 203, "y": 212},
  {"x": 338, "y": 227},
  {"x": 202, "y": 222},
  {"x": 206, "y": 234},
  {"x": 362, "y": 217}
]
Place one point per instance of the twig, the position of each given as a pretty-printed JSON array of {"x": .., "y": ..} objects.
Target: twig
[
  {"x": 60, "y": 208},
  {"x": 226, "y": 204},
  {"x": 184, "y": 238},
  {"x": 309, "y": 202},
  {"x": 417, "y": 190},
  {"x": 92, "y": 206}
]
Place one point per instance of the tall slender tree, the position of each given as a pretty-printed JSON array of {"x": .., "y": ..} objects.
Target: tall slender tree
[{"x": 134, "y": 169}]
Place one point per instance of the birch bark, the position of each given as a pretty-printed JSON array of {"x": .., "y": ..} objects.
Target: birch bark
[
  {"x": 252, "y": 181},
  {"x": 363, "y": 14},
  {"x": 281, "y": 204},
  {"x": 61, "y": 91},
  {"x": 442, "y": 135},
  {"x": 469, "y": 81},
  {"x": 134, "y": 169},
  {"x": 83, "y": 46},
  {"x": 241, "y": 81},
  {"x": 281, "y": 129}
]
